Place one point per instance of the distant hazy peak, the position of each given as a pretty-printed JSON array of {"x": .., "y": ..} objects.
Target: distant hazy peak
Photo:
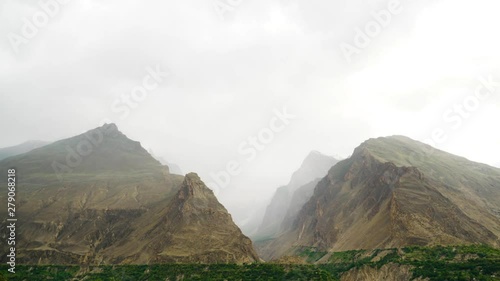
[
  {"x": 315, "y": 156},
  {"x": 316, "y": 164},
  {"x": 315, "y": 153},
  {"x": 34, "y": 142},
  {"x": 28, "y": 144},
  {"x": 21, "y": 148}
]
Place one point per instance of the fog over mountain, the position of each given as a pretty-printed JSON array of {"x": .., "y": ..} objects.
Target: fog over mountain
[{"x": 239, "y": 94}]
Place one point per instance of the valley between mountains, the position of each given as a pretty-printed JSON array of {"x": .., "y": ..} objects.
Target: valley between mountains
[{"x": 396, "y": 209}]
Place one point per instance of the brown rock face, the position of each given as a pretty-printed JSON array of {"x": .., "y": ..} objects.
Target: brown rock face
[
  {"x": 374, "y": 201},
  {"x": 194, "y": 227}
]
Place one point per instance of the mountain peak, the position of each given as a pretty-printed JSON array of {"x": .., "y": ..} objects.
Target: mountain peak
[
  {"x": 194, "y": 187},
  {"x": 193, "y": 177},
  {"x": 404, "y": 151},
  {"x": 315, "y": 165},
  {"x": 107, "y": 130},
  {"x": 315, "y": 153},
  {"x": 399, "y": 139},
  {"x": 110, "y": 125},
  {"x": 313, "y": 157},
  {"x": 195, "y": 195},
  {"x": 102, "y": 150}
]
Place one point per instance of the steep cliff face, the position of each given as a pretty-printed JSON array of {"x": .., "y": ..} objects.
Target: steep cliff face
[
  {"x": 105, "y": 192},
  {"x": 382, "y": 198},
  {"x": 298, "y": 200}
]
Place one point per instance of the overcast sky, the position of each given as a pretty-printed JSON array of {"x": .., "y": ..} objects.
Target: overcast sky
[{"x": 343, "y": 71}]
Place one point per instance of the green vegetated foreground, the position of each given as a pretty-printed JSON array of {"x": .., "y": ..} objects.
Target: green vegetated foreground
[{"x": 473, "y": 262}]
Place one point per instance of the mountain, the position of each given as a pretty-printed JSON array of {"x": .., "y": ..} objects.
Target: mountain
[
  {"x": 21, "y": 148},
  {"x": 396, "y": 192},
  {"x": 101, "y": 198},
  {"x": 284, "y": 201}
]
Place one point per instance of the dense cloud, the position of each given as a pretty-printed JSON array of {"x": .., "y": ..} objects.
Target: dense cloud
[{"x": 205, "y": 84}]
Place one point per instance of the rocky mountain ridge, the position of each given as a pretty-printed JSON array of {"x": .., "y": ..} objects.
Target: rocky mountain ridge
[{"x": 113, "y": 203}]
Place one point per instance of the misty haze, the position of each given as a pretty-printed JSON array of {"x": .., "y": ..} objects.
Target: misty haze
[{"x": 250, "y": 140}]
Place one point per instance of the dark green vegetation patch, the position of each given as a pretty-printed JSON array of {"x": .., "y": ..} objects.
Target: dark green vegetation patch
[{"x": 475, "y": 262}]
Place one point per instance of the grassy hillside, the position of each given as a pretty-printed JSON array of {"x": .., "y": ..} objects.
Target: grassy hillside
[{"x": 453, "y": 170}]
